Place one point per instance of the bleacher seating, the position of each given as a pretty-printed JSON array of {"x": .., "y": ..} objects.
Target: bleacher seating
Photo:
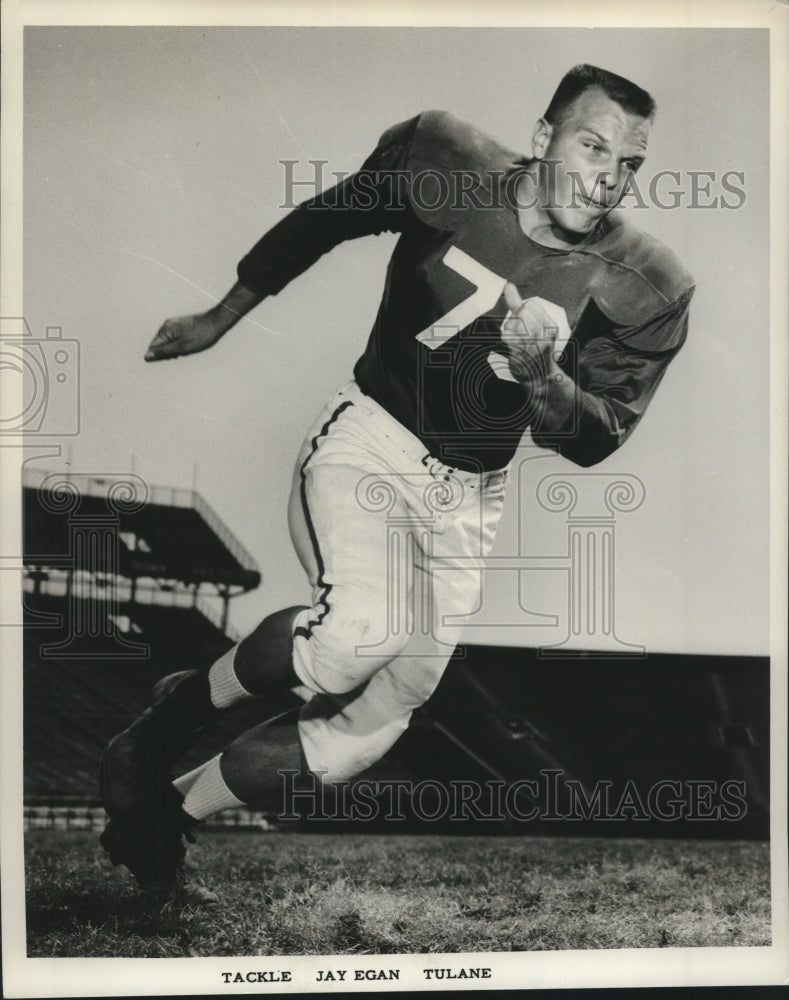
[
  {"x": 498, "y": 712},
  {"x": 73, "y": 706}
]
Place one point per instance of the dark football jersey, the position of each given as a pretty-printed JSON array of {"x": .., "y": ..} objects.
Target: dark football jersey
[{"x": 434, "y": 358}]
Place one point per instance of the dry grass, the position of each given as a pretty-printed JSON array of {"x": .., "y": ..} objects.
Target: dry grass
[{"x": 321, "y": 894}]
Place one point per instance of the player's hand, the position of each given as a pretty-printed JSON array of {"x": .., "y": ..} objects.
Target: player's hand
[
  {"x": 529, "y": 335},
  {"x": 184, "y": 335}
]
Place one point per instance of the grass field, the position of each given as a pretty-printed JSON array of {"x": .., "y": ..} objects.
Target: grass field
[{"x": 286, "y": 894}]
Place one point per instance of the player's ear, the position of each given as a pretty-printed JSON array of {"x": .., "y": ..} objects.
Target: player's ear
[{"x": 541, "y": 138}]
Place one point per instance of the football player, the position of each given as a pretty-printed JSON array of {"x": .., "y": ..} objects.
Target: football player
[{"x": 515, "y": 299}]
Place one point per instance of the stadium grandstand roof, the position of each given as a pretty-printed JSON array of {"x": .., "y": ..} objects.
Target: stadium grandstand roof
[{"x": 163, "y": 532}]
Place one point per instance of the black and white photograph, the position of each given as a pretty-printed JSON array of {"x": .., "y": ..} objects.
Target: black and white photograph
[{"x": 393, "y": 438}]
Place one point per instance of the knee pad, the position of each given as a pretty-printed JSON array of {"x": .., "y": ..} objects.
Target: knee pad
[
  {"x": 342, "y": 651},
  {"x": 336, "y": 751}
]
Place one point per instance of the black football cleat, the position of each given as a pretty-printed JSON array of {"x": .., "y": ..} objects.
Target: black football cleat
[
  {"x": 136, "y": 759},
  {"x": 152, "y": 848}
]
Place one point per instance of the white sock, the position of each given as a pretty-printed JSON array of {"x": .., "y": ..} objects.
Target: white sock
[
  {"x": 209, "y": 794},
  {"x": 226, "y": 688},
  {"x": 185, "y": 782}
]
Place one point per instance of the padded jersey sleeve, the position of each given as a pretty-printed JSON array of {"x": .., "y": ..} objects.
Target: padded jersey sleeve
[
  {"x": 616, "y": 383},
  {"x": 369, "y": 202}
]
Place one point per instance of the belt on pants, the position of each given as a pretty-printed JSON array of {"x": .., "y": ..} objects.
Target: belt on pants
[{"x": 408, "y": 444}]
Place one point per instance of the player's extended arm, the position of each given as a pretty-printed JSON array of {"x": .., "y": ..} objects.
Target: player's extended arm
[
  {"x": 190, "y": 334},
  {"x": 366, "y": 203},
  {"x": 284, "y": 252},
  {"x": 588, "y": 419}
]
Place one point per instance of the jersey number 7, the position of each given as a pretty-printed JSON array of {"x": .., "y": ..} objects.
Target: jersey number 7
[{"x": 489, "y": 287}]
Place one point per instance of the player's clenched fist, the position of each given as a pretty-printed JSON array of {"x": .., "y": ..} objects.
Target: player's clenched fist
[
  {"x": 184, "y": 335},
  {"x": 529, "y": 335}
]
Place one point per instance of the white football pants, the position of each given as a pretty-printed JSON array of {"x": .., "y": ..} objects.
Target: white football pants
[{"x": 392, "y": 541}]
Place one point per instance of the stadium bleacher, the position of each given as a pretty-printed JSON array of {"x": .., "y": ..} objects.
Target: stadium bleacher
[
  {"x": 114, "y": 598},
  {"x": 98, "y": 634}
]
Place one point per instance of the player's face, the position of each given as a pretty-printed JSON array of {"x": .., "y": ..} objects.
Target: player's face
[{"x": 587, "y": 159}]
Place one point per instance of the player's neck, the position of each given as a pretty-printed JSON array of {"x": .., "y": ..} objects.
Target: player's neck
[{"x": 535, "y": 221}]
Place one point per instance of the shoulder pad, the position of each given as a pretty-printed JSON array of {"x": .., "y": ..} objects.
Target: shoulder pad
[
  {"x": 443, "y": 140},
  {"x": 642, "y": 279},
  {"x": 450, "y": 160}
]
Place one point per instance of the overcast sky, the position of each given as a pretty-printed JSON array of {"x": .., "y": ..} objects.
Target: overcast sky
[{"x": 151, "y": 166}]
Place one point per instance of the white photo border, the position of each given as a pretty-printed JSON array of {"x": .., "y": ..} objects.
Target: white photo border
[{"x": 642, "y": 967}]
